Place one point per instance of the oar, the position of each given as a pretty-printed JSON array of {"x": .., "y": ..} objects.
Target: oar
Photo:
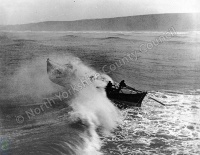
[{"x": 157, "y": 101}]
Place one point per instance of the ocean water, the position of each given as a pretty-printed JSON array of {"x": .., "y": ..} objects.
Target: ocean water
[{"x": 85, "y": 121}]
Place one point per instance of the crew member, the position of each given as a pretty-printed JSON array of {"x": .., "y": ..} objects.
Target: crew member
[
  {"x": 109, "y": 87},
  {"x": 121, "y": 85}
]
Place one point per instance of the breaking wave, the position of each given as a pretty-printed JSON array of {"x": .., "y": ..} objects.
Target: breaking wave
[{"x": 69, "y": 130}]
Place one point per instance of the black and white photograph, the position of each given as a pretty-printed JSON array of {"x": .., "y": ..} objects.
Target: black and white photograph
[{"x": 99, "y": 77}]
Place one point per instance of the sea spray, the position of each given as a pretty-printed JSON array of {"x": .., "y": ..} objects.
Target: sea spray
[
  {"x": 30, "y": 79},
  {"x": 92, "y": 110},
  {"x": 92, "y": 97},
  {"x": 91, "y": 103}
]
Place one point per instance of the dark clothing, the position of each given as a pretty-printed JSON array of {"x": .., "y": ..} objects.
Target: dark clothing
[
  {"x": 109, "y": 87},
  {"x": 121, "y": 85}
]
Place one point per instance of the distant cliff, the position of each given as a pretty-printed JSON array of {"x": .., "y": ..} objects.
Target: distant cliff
[{"x": 155, "y": 22}]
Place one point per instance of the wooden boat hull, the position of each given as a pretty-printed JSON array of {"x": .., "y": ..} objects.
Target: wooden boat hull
[{"x": 124, "y": 101}]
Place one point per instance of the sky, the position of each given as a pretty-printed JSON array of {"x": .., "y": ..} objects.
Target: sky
[{"x": 31, "y": 11}]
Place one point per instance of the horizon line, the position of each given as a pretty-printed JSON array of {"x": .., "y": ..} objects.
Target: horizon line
[{"x": 99, "y": 18}]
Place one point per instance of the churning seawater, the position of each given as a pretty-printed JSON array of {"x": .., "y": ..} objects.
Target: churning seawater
[
  {"x": 157, "y": 129},
  {"x": 170, "y": 72}
]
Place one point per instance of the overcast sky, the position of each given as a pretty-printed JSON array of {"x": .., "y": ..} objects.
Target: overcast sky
[{"x": 28, "y": 11}]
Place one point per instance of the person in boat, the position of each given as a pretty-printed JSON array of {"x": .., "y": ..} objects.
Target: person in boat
[
  {"x": 121, "y": 85},
  {"x": 109, "y": 87}
]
